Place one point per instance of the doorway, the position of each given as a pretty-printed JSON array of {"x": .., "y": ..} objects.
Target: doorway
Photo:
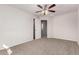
[
  {"x": 34, "y": 29},
  {"x": 43, "y": 28}
]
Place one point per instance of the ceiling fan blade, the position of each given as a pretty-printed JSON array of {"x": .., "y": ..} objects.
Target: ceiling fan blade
[
  {"x": 38, "y": 11},
  {"x": 51, "y": 10},
  {"x": 51, "y": 6},
  {"x": 40, "y": 6}
]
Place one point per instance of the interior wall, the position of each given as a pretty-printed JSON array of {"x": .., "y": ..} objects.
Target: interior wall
[
  {"x": 49, "y": 27},
  {"x": 16, "y": 26},
  {"x": 38, "y": 26},
  {"x": 65, "y": 26},
  {"x": 78, "y": 26}
]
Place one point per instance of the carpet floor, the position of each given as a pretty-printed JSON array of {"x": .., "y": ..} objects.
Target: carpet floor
[{"x": 49, "y": 46}]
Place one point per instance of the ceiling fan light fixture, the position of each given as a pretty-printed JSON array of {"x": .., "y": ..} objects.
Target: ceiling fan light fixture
[
  {"x": 46, "y": 12},
  {"x": 42, "y": 12}
]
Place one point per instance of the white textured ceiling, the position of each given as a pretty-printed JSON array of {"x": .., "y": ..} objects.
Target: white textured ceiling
[{"x": 59, "y": 8}]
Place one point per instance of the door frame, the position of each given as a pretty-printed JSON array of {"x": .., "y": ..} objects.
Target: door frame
[
  {"x": 34, "y": 28},
  {"x": 41, "y": 28}
]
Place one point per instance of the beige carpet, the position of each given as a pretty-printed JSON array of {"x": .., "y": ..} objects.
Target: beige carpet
[{"x": 45, "y": 47}]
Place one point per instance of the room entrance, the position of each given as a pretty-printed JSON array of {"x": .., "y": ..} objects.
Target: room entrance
[{"x": 43, "y": 28}]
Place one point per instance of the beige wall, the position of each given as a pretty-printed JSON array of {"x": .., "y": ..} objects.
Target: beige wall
[
  {"x": 15, "y": 26},
  {"x": 78, "y": 26},
  {"x": 64, "y": 26}
]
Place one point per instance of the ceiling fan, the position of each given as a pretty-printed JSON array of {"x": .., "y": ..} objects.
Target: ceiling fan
[{"x": 45, "y": 9}]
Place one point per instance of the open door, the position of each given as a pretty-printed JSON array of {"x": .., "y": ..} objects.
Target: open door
[{"x": 43, "y": 28}]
